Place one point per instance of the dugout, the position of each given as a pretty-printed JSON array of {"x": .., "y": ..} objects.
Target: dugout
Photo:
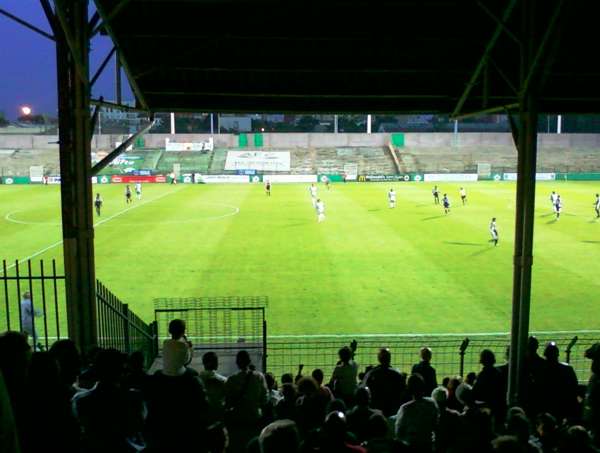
[{"x": 460, "y": 57}]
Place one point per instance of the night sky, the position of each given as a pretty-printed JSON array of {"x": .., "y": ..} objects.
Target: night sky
[{"x": 28, "y": 62}]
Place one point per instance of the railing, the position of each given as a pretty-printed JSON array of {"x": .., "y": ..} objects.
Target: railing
[
  {"x": 32, "y": 301},
  {"x": 452, "y": 354},
  {"x": 120, "y": 328}
]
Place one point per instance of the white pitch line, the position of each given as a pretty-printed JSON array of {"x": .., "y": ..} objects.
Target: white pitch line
[{"x": 97, "y": 224}]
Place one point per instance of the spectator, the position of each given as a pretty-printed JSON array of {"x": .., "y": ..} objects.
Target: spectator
[
  {"x": 547, "y": 432},
  {"x": 387, "y": 385},
  {"x": 518, "y": 425},
  {"x": 452, "y": 401},
  {"x": 111, "y": 417},
  {"x": 537, "y": 386},
  {"x": 474, "y": 432},
  {"x": 214, "y": 384},
  {"x": 287, "y": 378},
  {"x": 426, "y": 371},
  {"x": 15, "y": 355},
  {"x": 286, "y": 407},
  {"x": 325, "y": 394},
  {"x": 577, "y": 440},
  {"x": 69, "y": 363},
  {"x": 471, "y": 378},
  {"x": 380, "y": 437},
  {"x": 336, "y": 405},
  {"x": 273, "y": 394},
  {"x": 335, "y": 436},
  {"x": 28, "y": 315},
  {"x": 507, "y": 444},
  {"x": 50, "y": 424},
  {"x": 358, "y": 416},
  {"x": 561, "y": 380},
  {"x": 216, "y": 438},
  {"x": 310, "y": 411},
  {"x": 177, "y": 331},
  {"x": 343, "y": 379},
  {"x": 445, "y": 435},
  {"x": 417, "y": 420},
  {"x": 488, "y": 385},
  {"x": 136, "y": 377},
  {"x": 591, "y": 410},
  {"x": 9, "y": 437},
  {"x": 280, "y": 437},
  {"x": 245, "y": 395}
]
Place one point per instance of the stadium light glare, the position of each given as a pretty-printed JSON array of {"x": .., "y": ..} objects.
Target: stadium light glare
[{"x": 26, "y": 110}]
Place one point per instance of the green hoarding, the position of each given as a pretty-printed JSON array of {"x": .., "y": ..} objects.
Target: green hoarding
[
  {"x": 242, "y": 140},
  {"x": 258, "y": 140},
  {"x": 398, "y": 140},
  {"x": 15, "y": 180}
]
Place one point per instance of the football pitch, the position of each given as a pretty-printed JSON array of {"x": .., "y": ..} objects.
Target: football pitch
[{"x": 367, "y": 269}]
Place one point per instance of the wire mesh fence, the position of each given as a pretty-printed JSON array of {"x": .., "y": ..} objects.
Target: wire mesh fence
[{"x": 285, "y": 354}]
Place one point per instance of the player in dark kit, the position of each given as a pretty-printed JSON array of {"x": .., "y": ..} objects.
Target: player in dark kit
[
  {"x": 128, "y": 194},
  {"x": 436, "y": 195},
  {"x": 98, "y": 204},
  {"x": 268, "y": 188},
  {"x": 446, "y": 203}
]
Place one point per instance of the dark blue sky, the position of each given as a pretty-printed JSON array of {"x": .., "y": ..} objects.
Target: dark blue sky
[{"x": 28, "y": 63}]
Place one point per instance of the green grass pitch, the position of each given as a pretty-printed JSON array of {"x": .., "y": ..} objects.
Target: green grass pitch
[{"x": 366, "y": 269}]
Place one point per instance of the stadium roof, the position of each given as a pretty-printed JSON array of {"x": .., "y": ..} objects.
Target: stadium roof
[{"x": 350, "y": 55}]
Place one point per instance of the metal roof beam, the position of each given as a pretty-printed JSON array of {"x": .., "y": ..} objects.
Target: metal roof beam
[
  {"x": 116, "y": 10},
  {"x": 26, "y": 24},
  {"x": 102, "y": 66}
]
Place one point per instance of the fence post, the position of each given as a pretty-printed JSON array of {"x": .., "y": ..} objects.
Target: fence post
[
  {"x": 569, "y": 347},
  {"x": 126, "y": 328},
  {"x": 462, "y": 350},
  {"x": 264, "y": 343}
]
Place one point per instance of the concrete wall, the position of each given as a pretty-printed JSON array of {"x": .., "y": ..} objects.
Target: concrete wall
[{"x": 316, "y": 140}]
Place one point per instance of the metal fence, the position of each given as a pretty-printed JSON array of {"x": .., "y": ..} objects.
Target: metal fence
[
  {"x": 32, "y": 301},
  {"x": 452, "y": 354}
]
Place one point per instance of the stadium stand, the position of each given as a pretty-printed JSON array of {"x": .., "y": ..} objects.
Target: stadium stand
[{"x": 59, "y": 401}]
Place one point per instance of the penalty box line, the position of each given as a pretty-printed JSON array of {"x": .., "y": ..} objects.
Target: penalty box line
[{"x": 97, "y": 224}]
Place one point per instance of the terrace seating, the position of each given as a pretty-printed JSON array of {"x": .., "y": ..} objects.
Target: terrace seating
[{"x": 459, "y": 417}]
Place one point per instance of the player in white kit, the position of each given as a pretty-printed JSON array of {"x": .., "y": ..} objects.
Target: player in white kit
[
  {"x": 320, "y": 207},
  {"x": 138, "y": 190},
  {"x": 494, "y": 231},
  {"x": 463, "y": 195},
  {"x": 313, "y": 194},
  {"x": 553, "y": 197},
  {"x": 392, "y": 198},
  {"x": 597, "y": 206}
]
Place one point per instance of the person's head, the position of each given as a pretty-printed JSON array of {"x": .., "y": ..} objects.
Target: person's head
[
  {"x": 335, "y": 426},
  {"x": 318, "y": 200},
  {"x": 426, "y": 354},
  {"x": 507, "y": 444},
  {"x": 66, "y": 354},
  {"x": 336, "y": 405},
  {"x": 177, "y": 328},
  {"x": 287, "y": 378},
  {"x": 384, "y": 357},
  {"x": 593, "y": 353},
  {"x": 345, "y": 354},
  {"x": 576, "y": 439},
  {"x": 517, "y": 424},
  {"x": 416, "y": 386},
  {"x": 471, "y": 378},
  {"x": 210, "y": 361},
  {"x": 318, "y": 376},
  {"x": 493, "y": 219},
  {"x": 546, "y": 425},
  {"x": 136, "y": 362},
  {"x": 288, "y": 391},
  {"x": 242, "y": 359},
  {"x": 362, "y": 396},
  {"x": 27, "y": 295},
  {"x": 110, "y": 366},
  {"x": 445, "y": 194},
  {"x": 97, "y": 195},
  {"x": 279, "y": 436},
  {"x": 271, "y": 382},
  {"x": 440, "y": 396},
  {"x": 307, "y": 386},
  {"x": 464, "y": 395},
  {"x": 532, "y": 346},
  {"x": 377, "y": 426},
  {"x": 445, "y": 382},
  {"x": 551, "y": 352},
  {"x": 15, "y": 355},
  {"x": 487, "y": 358},
  {"x": 454, "y": 383}
]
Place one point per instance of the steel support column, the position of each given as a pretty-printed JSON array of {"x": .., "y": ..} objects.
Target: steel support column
[
  {"x": 75, "y": 164},
  {"x": 526, "y": 138}
]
